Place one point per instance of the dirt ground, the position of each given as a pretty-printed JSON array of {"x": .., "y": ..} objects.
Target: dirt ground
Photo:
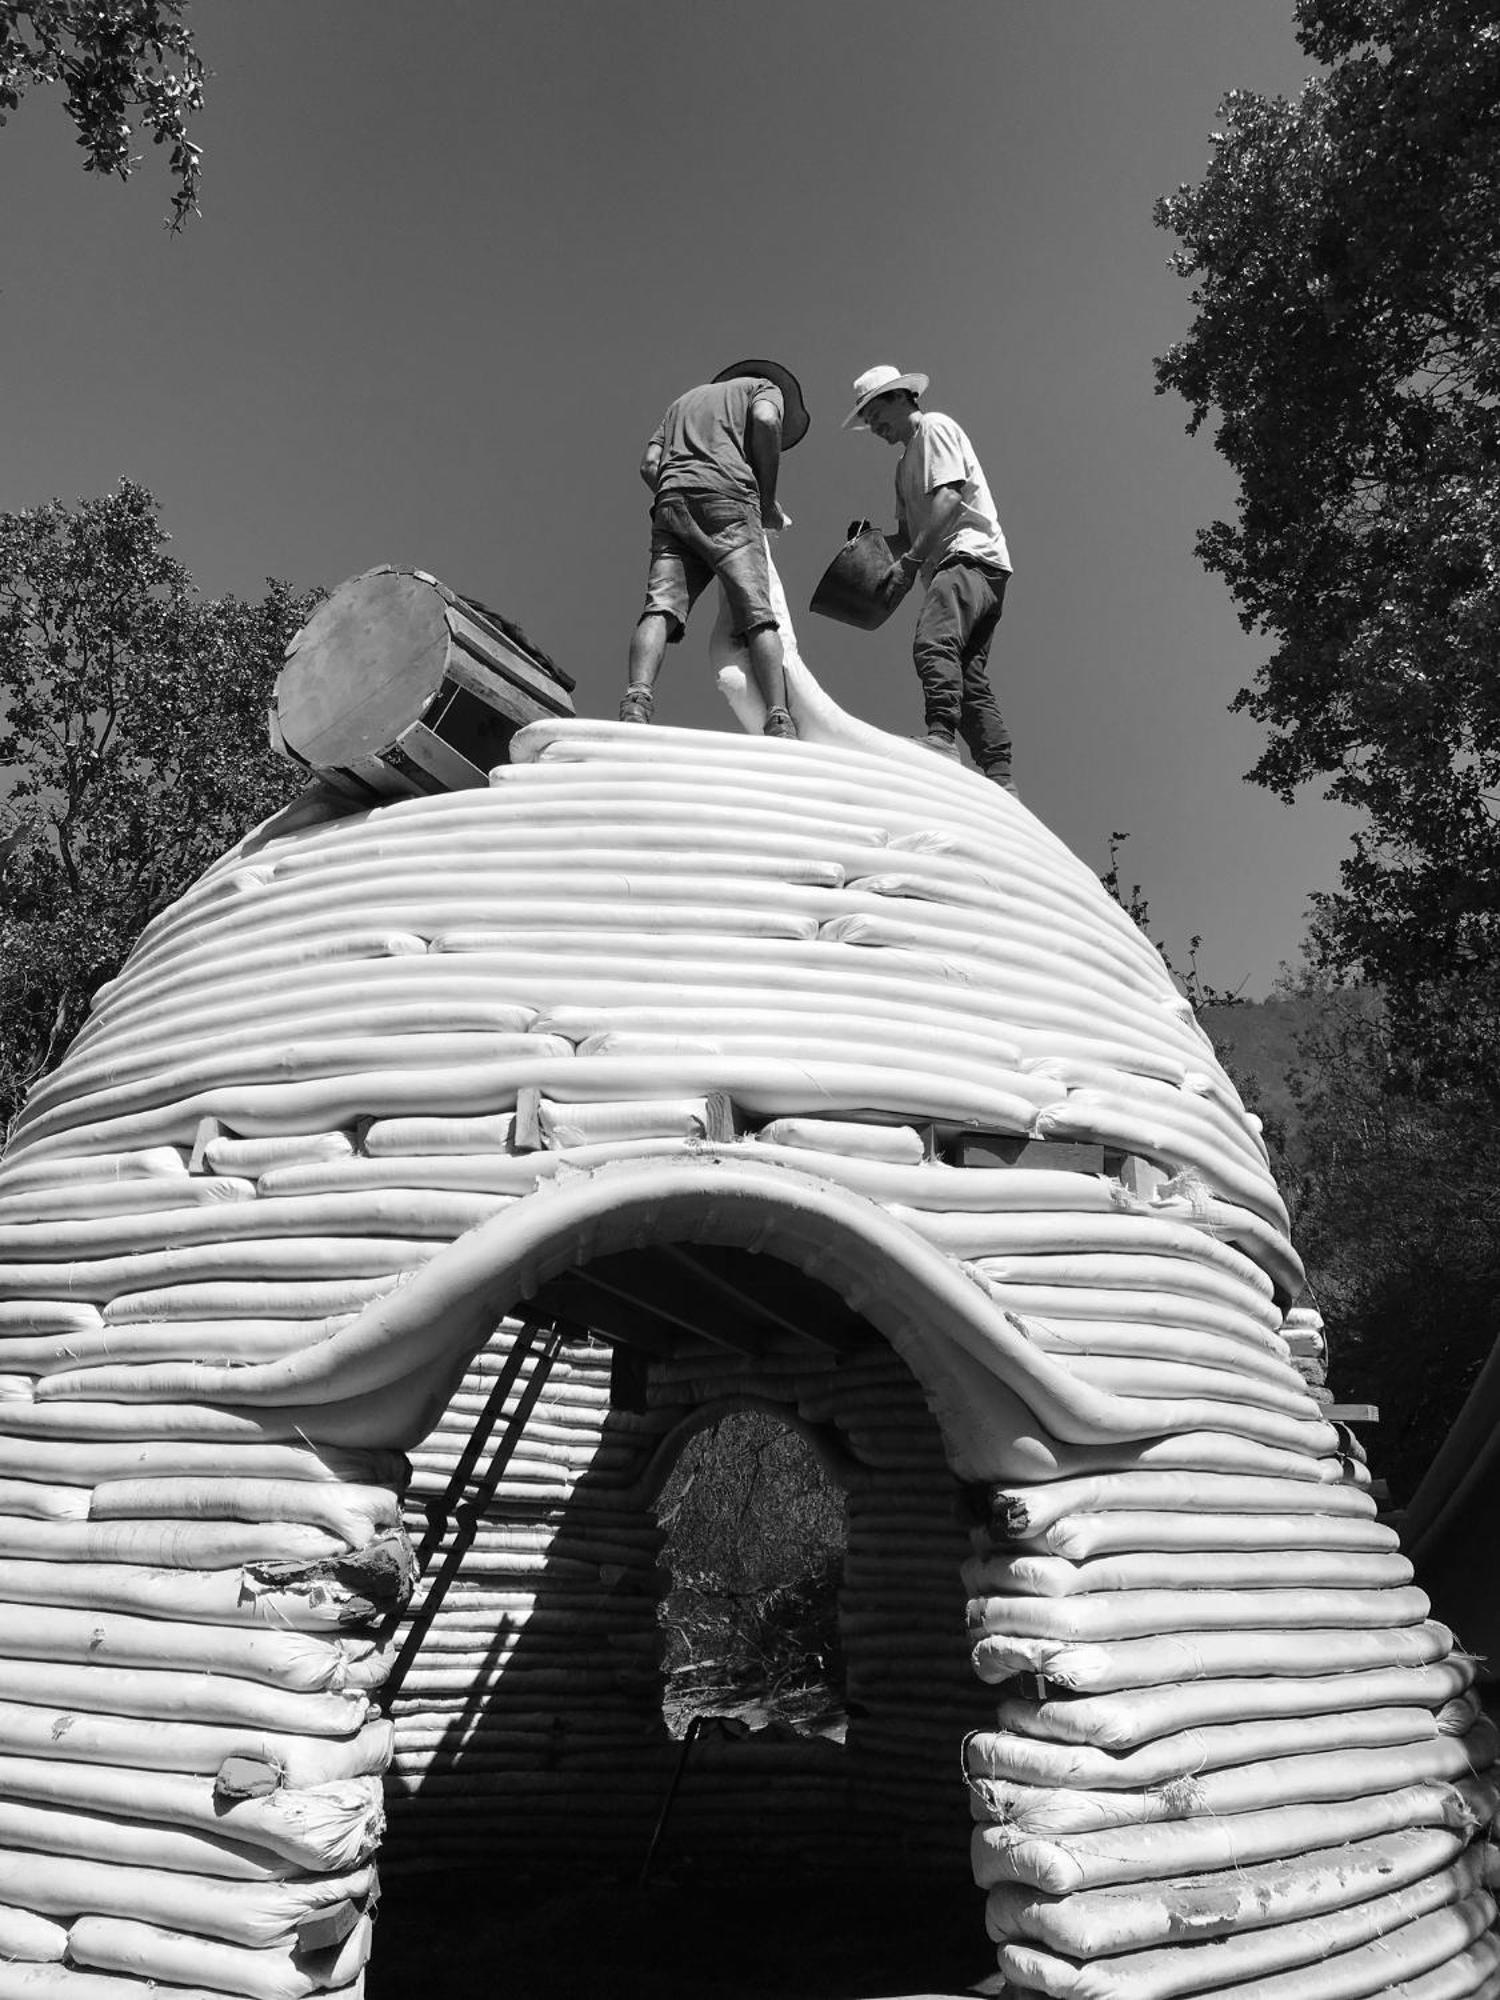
[{"x": 455, "y": 1937}]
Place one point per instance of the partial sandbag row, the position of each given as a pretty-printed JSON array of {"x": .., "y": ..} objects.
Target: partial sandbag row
[
  {"x": 597, "y": 821},
  {"x": 1200, "y": 1725},
  {"x": 270, "y": 895},
  {"x": 190, "y": 1762}
]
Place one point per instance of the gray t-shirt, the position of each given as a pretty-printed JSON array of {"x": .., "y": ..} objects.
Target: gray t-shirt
[{"x": 702, "y": 439}]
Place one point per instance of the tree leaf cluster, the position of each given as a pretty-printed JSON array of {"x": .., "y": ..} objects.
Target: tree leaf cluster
[
  {"x": 1391, "y": 1190},
  {"x": 1344, "y": 254},
  {"x": 117, "y": 62},
  {"x": 132, "y": 750}
]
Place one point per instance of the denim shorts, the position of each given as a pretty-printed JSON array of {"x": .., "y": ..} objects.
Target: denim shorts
[{"x": 696, "y": 537}]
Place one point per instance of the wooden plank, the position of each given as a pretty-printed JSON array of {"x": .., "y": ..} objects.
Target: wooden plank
[
  {"x": 1135, "y": 1175},
  {"x": 526, "y": 1135},
  {"x": 666, "y": 1302},
  {"x": 492, "y": 649},
  {"x": 720, "y": 1122},
  {"x": 609, "y": 1317},
  {"x": 1014, "y": 1149},
  {"x": 449, "y": 768},
  {"x": 402, "y": 773},
  {"x": 208, "y": 1130},
  {"x": 507, "y": 698},
  {"x": 798, "y": 1303},
  {"x": 512, "y": 635},
  {"x": 358, "y": 788},
  {"x": 717, "y": 1296}
]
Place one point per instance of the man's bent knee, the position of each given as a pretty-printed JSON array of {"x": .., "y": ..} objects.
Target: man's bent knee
[{"x": 672, "y": 627}]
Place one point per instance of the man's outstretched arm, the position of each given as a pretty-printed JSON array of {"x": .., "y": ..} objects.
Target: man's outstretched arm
[{"x": 947, "y": 505}]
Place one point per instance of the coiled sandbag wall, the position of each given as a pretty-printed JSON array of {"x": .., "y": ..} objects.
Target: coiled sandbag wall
[{"x": 379, "y": 1081}]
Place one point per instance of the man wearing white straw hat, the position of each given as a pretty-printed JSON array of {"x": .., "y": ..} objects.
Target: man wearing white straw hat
[
  {"x": 712, "y": 465},
  {"x": 947, "y": 532}
]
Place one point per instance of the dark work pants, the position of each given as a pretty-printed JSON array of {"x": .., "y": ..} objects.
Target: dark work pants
[{"x": 951, "y": 649}]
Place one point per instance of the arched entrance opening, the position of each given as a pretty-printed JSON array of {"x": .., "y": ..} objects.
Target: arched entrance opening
[
  {"x": 755, "y": 1539},
  {"x": 538, "y": 1743}
]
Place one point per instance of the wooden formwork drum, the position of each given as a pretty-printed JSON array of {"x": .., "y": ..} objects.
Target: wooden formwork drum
[{"x": 397, "y": 685}]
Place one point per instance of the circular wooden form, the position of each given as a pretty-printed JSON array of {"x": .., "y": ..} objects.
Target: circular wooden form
[{"x": 398, "y": 685}]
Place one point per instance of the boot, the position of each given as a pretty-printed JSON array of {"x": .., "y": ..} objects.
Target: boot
[
  {"x": 941, "y": 740},
  {"x": 779, "y": 722},
  {"x": 637, "y": 703}
]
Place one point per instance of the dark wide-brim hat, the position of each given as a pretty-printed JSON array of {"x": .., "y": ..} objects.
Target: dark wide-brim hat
[{"x": 794, "y": 417}]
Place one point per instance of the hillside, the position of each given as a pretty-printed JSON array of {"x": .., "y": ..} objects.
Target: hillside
[{"x": 1257, "y": 1043}]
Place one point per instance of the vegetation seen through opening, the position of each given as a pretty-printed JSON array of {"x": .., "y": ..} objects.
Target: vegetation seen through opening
[{"x": 755, "y": 1538}]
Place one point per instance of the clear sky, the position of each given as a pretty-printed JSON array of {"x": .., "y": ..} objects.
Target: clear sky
[{"x": 456, "y": 257}]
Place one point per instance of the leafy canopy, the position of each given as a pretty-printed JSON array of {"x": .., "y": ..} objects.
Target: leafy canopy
[
  {"x": 132, "y": 750},
  {"x": 115, "y": 59},
  {"x": 1344, "y": 252},
  {"x": 1391, "y": 1192}
]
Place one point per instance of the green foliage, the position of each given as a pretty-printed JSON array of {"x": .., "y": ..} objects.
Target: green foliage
[
  {"x": 132, "y": 750},
  {"x": 1390, "y": 1183},
  {"x": 115, "y": 59},
  {"x": 756, "y": 1544},
  {"x": 1344, "y": 251}
]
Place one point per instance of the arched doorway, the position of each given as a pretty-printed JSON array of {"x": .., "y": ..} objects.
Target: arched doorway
[{"x": 531, "y": 1738}]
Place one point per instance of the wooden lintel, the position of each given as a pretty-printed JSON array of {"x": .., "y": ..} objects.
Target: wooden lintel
[{"x": 1014, "y": 1149}]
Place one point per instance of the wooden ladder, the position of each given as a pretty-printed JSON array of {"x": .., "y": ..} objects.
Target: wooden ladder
[{"x": 541, "y": 1343}]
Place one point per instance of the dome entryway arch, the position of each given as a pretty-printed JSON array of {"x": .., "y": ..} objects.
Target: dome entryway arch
[{"x": 529, "y": 1721}]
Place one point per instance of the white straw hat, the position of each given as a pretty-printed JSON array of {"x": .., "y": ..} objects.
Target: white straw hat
[{"x": 880, "y": 381}]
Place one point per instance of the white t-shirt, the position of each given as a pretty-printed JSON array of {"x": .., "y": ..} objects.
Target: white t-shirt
[{"x": 938, "y": 454}]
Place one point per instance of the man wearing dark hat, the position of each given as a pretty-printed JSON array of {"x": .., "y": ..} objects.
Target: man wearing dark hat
[
  {"x": 712, "y": 466},
  {"x": 947, "y": 533}
]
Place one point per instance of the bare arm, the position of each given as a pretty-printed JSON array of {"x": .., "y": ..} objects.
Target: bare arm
[
  {"x": 651, "y": 464},
  {"x": 947, "y": 505},
  {"x": 763, "y": 449}
]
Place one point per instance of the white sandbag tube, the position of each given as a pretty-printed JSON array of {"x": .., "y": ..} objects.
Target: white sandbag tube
[{"x": 676, "y": 1073}]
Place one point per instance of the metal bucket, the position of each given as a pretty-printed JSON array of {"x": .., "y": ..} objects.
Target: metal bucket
[{"x": 846, "y": 589}]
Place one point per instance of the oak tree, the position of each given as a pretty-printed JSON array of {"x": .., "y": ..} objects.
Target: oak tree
[
  {"x": 133, "y": 750},
  {"x": 1344, "y": 253},
  {"x": 1391, "y": 1193},
  {"x": 118, "y": 62}
]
